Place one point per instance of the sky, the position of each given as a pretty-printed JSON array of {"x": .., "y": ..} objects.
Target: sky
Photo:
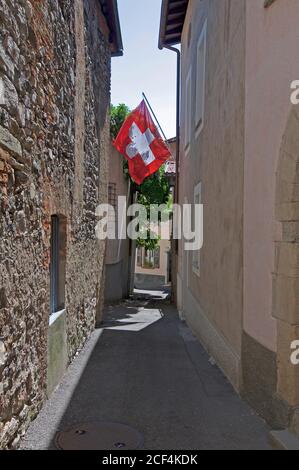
[{"x": 144, "y": 68}]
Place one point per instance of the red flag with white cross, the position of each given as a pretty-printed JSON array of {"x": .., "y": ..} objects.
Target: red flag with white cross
[{"x": 140, "y": 142}]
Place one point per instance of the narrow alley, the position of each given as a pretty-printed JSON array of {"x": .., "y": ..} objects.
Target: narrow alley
[
  {"x": 149, "y": 227},
  {"x": 145, "y": 369}
]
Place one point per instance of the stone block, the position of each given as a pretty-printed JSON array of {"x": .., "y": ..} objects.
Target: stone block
[
  {"x": 287, "y": 211},
  {"x": 3, "y": 178},
  {"x": 290, "y": 232},
  {"x": 21, "y": 179},
  {"x": 4, "y": 155},
  {"x": 288, "y": 373},
  {"x": 8, "y": 433},
  {"x": 3, "y": 354},
  {"x": 287, "y": 191},
  {"x": 6, "y": 62},
  {"x": 8, "y": 96},
  {"x": 21, "y": 224},
  {"x": 11, "y": 48},
  {"x": 289, "y": 169},
  {"x": 9, "y": 142},
  {"x": 286, "y": 299},
  {"x": 20, "y": 16},
  {"x": 290, "y": 142},
  {"x": 20, "y": 115},
  {"x": 287, "y": 259},
  {"x": 28, "y": 9},
  {"x": 295, "y": 422},
  {"x": 3, "y": 192}
]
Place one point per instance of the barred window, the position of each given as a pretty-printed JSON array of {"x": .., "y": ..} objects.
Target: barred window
[
  {"x": 196, "y": 254},
  {"x": 112, "y": 201},
  {"x": 57, "y": 263}
]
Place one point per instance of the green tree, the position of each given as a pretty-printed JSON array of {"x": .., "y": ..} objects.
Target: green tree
[
  {"x": 154, "y": 190},
  {"x": 118, "y": 114}
]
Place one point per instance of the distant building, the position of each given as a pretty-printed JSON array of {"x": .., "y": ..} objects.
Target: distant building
[
  {"x": 239, "y": 157},
  {"x": 170, "y": 165},
  {"x": 153, "y": 267},
  {"x": 118, "y": 266}
]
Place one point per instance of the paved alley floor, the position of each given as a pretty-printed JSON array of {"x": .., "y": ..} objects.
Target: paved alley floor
[{"x": 144, "y": 368}]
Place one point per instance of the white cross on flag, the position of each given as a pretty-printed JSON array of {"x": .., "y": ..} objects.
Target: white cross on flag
[{"x": 139, "y": 141}]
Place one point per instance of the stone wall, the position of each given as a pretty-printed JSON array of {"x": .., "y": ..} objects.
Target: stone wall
[{"x": 54, "y": 133}]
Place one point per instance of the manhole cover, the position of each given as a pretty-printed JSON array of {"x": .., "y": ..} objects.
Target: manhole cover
[{"x": 99, "y": 436}]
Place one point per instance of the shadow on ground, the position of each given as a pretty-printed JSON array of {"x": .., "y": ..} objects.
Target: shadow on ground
[{"x": 156, "y": 379}]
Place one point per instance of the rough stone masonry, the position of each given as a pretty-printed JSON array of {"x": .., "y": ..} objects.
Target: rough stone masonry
[{"x": 54, "y": 134}]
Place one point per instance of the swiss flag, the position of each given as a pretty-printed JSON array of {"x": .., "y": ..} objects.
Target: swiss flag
[{"x": 139, "y": 141}]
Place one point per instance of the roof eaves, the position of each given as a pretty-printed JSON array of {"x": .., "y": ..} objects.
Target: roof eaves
[
  {"x": 173, "y": 14},
  {"x": 110, "y": 10}
]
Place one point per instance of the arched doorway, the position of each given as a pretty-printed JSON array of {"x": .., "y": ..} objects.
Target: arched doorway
[{"x": 286, "y": 272}]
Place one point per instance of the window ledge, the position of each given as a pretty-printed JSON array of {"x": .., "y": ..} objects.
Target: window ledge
[{"x": 55, "y": 316}]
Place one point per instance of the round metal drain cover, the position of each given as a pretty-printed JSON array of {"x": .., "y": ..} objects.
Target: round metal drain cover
[{"x": 99, "y": 436}]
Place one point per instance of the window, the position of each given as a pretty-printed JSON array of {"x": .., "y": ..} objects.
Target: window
[
  {"x": 196, "y": 254},
  {"x": 188, "y": 105},
  {"x": 200, "y": 80},
  {"x": 57, "y": 263}
]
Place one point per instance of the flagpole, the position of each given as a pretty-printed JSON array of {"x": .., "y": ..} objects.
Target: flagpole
[{"x": 156, "y": 119}]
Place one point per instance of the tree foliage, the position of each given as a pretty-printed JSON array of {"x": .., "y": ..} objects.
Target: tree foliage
[
  {"x": 118, "y": 114},
  {"x": 155, "y": 189}
]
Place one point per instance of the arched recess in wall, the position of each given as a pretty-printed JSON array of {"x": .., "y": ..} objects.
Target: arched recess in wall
[{"x": 286, "y": 272}]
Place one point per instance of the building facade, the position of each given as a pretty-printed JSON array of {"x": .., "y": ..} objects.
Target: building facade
[
  {"x": 55, "y": 61},
  {"x": 153, "y": 267},
  {"x": 239, "y": 158},
  {"x": 117, "y": 280}
]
